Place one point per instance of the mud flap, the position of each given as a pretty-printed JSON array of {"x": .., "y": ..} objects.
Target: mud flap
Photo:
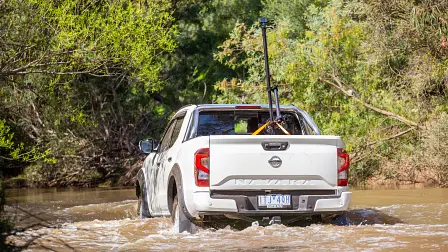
[{"x": 184, "y": 223}]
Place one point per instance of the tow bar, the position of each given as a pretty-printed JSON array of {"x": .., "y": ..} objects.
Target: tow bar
[{"x": 267, "y": 221}]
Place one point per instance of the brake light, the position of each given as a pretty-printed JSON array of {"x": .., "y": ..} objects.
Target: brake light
[
  {"x": 201, "y": 167},
  {"x": 343, "y": 165},
  {"x": 248, "y": 107}
]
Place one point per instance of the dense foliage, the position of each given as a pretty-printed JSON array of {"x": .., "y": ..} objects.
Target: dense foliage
[
  {"x": 78, "y": 83},
  {"x": 374, "y": 72},
  {"x": 82, "y": 81}
]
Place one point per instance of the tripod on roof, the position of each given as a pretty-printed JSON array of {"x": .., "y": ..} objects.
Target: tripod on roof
[{"x": 272, "y": 123}]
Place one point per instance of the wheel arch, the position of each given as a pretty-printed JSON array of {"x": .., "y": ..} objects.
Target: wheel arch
[{"x": 175, "y": 187}]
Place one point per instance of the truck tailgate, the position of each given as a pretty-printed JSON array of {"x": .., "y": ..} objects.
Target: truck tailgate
[{"x": 245, "y": 162}]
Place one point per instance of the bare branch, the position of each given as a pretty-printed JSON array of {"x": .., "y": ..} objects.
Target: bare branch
[
  {"x": 392, "y": 137},
  {"x": 378, "y": 110},
  {"x": 54, "y": 73},
  {"x": 6, "y": 158},
  {"x": 356, "y": 160},
  {"x": 32, "y": 65},
  {"x": 15, "y": 59}
]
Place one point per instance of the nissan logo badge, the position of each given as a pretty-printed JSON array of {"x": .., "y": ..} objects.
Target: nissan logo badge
[{"x": 275, "y": 162}]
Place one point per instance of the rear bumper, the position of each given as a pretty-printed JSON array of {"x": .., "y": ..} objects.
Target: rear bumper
[{"x": 246, "y": 205}]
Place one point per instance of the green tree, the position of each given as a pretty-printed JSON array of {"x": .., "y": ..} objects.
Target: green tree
[
  {"x": 368, "y": 71},
  {"x": 190, "y": 72},
  {"x": 76, "y": 77}
]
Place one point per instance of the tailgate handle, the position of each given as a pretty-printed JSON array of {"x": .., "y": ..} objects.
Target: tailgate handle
[{"x": 274, "y": 146}]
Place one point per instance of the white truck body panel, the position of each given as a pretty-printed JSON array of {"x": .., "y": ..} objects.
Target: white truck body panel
[{"x": 241, "y": 163}]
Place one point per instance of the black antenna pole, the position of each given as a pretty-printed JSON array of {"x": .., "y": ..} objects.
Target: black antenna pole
[{"x": 263, "y": 22}]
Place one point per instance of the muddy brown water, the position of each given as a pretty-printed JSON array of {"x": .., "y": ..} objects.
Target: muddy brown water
[{"x": 105, "y": 220}]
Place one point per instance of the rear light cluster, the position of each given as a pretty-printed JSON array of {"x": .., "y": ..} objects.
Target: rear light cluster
[
  {"x": 201, "y": 167},
  {"x": 343, "y": 165}
]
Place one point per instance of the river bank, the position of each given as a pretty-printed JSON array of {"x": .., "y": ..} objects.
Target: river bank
[
  {"x": 387, "y": 174},
  {"x": 374, "y": 182}
]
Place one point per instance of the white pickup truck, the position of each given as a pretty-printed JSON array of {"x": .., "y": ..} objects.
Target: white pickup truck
[{"x": 208, "y": 164}]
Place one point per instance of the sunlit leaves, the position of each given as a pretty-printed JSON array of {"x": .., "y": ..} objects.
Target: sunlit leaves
[
  {"x": 74, "y": 74},
  {"x": 18, "y": 151},
  {"x": 106, "y": 37},
  {"x": 389, "y": 54}
]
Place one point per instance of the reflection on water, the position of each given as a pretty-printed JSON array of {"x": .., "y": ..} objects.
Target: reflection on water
[{"x": 100, "y": 219}]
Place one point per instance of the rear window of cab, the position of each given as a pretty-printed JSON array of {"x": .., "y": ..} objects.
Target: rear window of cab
[{"x": 242, "y": 123}]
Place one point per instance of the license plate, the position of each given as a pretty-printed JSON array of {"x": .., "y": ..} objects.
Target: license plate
[{"x": 274, "y": 201}]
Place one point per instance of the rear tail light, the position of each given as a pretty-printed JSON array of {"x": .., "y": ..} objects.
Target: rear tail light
[
  {"x": 343, "y": 165},
  {"x": 201, "y": 167}
]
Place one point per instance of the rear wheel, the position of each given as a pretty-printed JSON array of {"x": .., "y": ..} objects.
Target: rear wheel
[
  {"x": 180, "y": 222},
  {"x": 142, "y": 206}
]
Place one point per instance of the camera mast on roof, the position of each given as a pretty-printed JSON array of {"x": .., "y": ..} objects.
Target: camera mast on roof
[{"x": 278, "y": 118}]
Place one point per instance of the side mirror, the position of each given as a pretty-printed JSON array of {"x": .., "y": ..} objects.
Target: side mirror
[{"x": 147, "y": 146}]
